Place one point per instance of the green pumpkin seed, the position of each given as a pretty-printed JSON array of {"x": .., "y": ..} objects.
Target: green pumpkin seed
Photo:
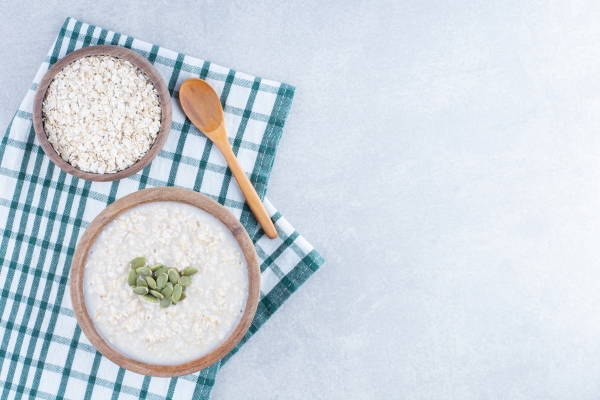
[
  {"x": 177, "y": 290},
  {"x": 167, "y": 291},
  {"x": 151, "y": 282},
  {"x": 141, "y": 290},
  {"x": 173, "y": 276},
  {"x": 157, "y": 294},
  {"x": 164, "y": 303},
  {"x": 143, "y": 271},
  {"x": 183, "y": 296},
  {"x": 151, "y": 298},
  {"x": 190, "y": 271},
  {"x": 138, "y": 262},
  {"x": 185, "y": 281},
  {"x": 155, "y": 267},
  {"x": 161, "y": 281},
  {"x": 161, "y": 270},
  {"x": 131, "y": 278},
  {"x": 141, "y": 281}
]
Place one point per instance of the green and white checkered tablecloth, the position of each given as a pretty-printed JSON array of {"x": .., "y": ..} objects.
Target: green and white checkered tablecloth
[{"x": 43, "y": 213}]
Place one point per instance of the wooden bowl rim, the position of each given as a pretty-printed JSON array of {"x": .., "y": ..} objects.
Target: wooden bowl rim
[
  {"x": 128, "y": 202},
  {"x": 118, "y": 52}
]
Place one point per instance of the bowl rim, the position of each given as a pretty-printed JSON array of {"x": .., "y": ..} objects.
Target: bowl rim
[
  {"x": 118, "y": 52},
  {"x": 128, "y": 202}
]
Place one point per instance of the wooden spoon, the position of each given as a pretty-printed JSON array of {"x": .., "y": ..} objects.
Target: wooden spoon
[{"x": 202, "y": 106}]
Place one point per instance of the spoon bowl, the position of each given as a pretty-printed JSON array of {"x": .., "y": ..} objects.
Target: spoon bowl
[{"x": 202, "y": 106}]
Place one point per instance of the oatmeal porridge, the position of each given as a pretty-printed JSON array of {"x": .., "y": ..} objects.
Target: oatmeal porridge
[{"x": 157, "y": 239}]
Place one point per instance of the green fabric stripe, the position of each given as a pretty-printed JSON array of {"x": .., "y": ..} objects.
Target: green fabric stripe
[
  {"x": 194, "y": 162},
  {"x": 37, "y": 270},
  {"x": 77, "y": 375},
  {"x": 144, "y": 177},
  {"x": 92, "y": 381},
  {"x": 171, "y": 390},
  {"x": 49, "y": 229},
  {"x": 146, "y": 171},
  {"x": 194, "y": 69},
  {"x": 247, "y": 218},
  {"x": 24, "y": 216},
  {"x": 66, "y": 373},
  {"x": 41, "y": 304},
  {"x": 167, "y": 155},
  {"x": 5, "y": 140},
  {"x": 265, "y": 159},
  {"x": 205, "y": 382},
  {"x": 153, "y": 52},
  {"x": 118, "y": 384},
  {"x": 13, "y": 209},
  {"x": 208, "y": 146},
  {"x": 154, "y": 182},
  {"x": 115, "y": 39},
  {"x": 3, "y": 252},
  {"x": 267, "y": 261},
  {"x": 184, "y": 130},
  {"x": 223, "y": 98},
  {"x": 177, "y": 155},
  {"x": 50, "y": 283},
  {"x": 33, "y": 240},
  {"x": 227, "y": 88},
  {"x": 41, "y": 395},
  {"x": 287, "y": 241},
  {"x": 19, "y": 144},
  {"x": 145, "y": 384},
  {"x": 58, "y": 45},
  {"x": 19, "y": 175},
  {"x": 266, "y": 88},
  {"x": 175, "y": 75},
  {"x": 56, "y": 339},
  {"x": 102, "y": 37},
  {"x": 61, "y": 235},
  {"x": 89, "y": 35},
  {"x": 24, "y": 115},
  {"x": 114, "y": 187},
  {"x": 196, "y": 132},
  {"x": 229, "y": 109},
  {"x": 74, "y": 37}
]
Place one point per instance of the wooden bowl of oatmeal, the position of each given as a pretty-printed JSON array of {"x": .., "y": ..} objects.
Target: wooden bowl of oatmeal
[
  {"x": 102, "y": 113},
  {"x": 171, "y": 229}
]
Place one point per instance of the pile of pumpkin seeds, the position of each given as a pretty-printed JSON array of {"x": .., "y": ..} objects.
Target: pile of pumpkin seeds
[{"x": 159, "y": 284}]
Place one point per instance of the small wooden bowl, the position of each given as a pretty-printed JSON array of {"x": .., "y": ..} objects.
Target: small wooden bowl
[
  {"x": 117, "y": 52},
  {"x": 147, "y": 196}
]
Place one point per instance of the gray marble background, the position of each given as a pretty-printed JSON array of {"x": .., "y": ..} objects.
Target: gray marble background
[{"x": 444, "y": 158}]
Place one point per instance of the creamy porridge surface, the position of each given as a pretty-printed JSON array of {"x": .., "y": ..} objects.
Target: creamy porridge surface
[{"x": 179, "y": 236}]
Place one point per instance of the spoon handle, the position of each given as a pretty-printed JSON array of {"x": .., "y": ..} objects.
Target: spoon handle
[{"x": 254, "y": 202}]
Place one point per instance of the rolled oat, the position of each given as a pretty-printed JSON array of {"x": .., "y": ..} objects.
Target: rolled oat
[{"x": 101, "y": 114}]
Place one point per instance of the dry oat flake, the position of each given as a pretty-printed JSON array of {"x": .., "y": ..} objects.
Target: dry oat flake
[{"x": 101, "y": 114}]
